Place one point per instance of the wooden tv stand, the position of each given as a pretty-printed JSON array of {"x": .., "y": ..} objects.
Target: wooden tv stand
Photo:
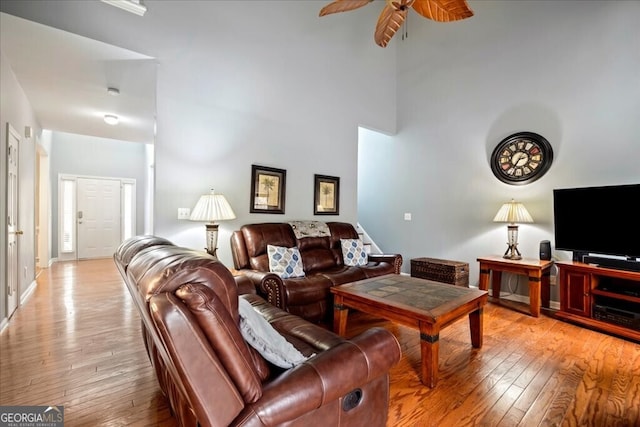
[{"x": 601, "y": 298}]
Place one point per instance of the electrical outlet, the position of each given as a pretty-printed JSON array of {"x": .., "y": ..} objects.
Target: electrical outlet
[
  {"x": 407, "y": 216},
  {"x": 184, "y": 213},
  {"x": 552, "y": 280}
]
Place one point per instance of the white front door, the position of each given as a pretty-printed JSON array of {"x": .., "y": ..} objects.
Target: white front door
[
  {"x": 13, "y": 230},
  {"x": 98, "y": 217}
]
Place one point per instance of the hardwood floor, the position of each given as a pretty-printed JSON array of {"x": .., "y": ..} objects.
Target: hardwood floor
[{"x": 76, "y": 342}]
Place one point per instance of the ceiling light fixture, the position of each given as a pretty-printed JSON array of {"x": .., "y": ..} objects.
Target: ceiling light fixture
[
  {"x": 111, "y": 119},
  {"x": 113, "y": 91},
  {"x": 133, "y": 6}
]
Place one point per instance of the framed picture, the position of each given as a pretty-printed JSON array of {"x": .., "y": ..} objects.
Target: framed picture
[
  {"x": 326, "y": 195},
  {"x": 267, "y": 189}
]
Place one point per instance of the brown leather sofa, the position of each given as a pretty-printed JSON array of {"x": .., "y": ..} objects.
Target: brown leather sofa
[
  {"x": 188, "y": 303},
  {"x": 309, "y": 296}
]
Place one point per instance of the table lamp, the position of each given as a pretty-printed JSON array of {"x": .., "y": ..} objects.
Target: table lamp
[
  {"x": 512, "y": 212},
  {"x": 211, "y": 208}
]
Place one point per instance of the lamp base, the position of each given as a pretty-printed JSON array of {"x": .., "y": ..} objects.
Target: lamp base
[
  {"x": 212, "y": 253},
  {"x": 512, "y": 253},
  {"x": 212, "y": 239},
  {"x": 512, "y": 243}
]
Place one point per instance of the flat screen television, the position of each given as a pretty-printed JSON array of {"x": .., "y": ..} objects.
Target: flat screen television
[{"x": 598, "y": 220}]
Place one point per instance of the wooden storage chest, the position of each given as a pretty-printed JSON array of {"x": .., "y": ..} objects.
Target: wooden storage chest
[{"x": 441, "y": 270}]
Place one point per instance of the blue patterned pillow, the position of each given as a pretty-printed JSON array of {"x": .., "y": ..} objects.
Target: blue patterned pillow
[
  {"x": 285, "y": 262},
  {"x": 353, "y": 252}
]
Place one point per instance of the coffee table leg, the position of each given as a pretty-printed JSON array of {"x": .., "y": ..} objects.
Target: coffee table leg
[
  {"x": 475, "y": 325},
  {"x": 340, "y": 314},
  {"x": 429, "y": 348}
]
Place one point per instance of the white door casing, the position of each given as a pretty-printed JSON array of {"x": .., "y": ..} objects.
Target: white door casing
[
  {"x": 98, "y": 217},
  {"x": 13, "y": 230}
]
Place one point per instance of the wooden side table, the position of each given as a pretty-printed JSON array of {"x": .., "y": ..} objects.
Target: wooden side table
[{"x": 538, "y": 272}]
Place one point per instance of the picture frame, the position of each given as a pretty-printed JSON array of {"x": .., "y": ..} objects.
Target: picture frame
[
  {"x": 326, "y": 195},
  {"x": 268, "y": 186}
]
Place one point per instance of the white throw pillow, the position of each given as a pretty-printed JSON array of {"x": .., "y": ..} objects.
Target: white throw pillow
[
  {"x": 353, "y": 252},
  {"x": 259, "y": 334},
  {"x": 285, "y": 262}
]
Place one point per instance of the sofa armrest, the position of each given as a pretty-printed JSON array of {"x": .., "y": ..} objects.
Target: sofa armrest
[
  {"x": 245, "y": 285},
  {"x": 269, "y": 285},
  {"x": 393, "y": 259},
  {"x": 326, "y": 377}
]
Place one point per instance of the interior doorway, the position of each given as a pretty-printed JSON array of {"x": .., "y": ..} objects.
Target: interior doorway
[
  {"x": 95, "y": 215},
  {"x": 13, "y": 228}
]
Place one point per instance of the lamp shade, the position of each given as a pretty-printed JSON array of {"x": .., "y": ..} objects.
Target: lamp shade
[
  {"x": 513, "y": 212},
  {"x": 212, "y": 207}
]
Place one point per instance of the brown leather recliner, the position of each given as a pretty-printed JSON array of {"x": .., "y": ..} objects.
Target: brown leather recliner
[
  {"x": 188, "y": 303},
  {"x": 309, "y": 296}
]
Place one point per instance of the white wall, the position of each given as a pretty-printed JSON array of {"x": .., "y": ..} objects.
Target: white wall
[
  {"x": 15, "y": 109},
  {"x": 567, "y": 70},
  {"x": 247, "y": 94}
]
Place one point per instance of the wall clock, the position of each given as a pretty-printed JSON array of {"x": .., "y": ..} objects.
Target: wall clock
[{"x": 521, "y": 158}]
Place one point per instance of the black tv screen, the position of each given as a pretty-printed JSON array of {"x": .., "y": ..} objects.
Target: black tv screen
[{"x": 598, "y": 220}]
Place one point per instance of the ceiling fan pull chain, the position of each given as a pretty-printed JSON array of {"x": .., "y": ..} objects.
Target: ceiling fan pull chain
[{"x": 405, "y": 28}]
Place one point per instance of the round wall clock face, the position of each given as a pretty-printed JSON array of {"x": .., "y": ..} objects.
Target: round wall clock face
[{"x": 521, "y": 158}]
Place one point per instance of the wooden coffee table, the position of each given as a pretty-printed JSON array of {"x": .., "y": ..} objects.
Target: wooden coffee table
[{"x": 417, "y": 303}]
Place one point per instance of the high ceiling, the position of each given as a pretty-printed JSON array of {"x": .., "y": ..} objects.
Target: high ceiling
[
  {"x": 65, "y": 77},
  {"x": 179, "y": 50}
]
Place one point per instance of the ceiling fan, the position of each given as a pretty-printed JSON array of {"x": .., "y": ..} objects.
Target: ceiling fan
[{"x": 394, "y": 13}]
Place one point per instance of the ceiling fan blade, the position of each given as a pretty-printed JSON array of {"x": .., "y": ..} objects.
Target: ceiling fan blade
[
  {"x": 343, "y": 6},
  {"x": 389, "y": 21},
  {"x": 443, "y": 10}
]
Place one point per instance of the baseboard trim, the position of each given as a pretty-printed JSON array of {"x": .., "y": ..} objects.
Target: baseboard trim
[{"x": 25, "y": 296}]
